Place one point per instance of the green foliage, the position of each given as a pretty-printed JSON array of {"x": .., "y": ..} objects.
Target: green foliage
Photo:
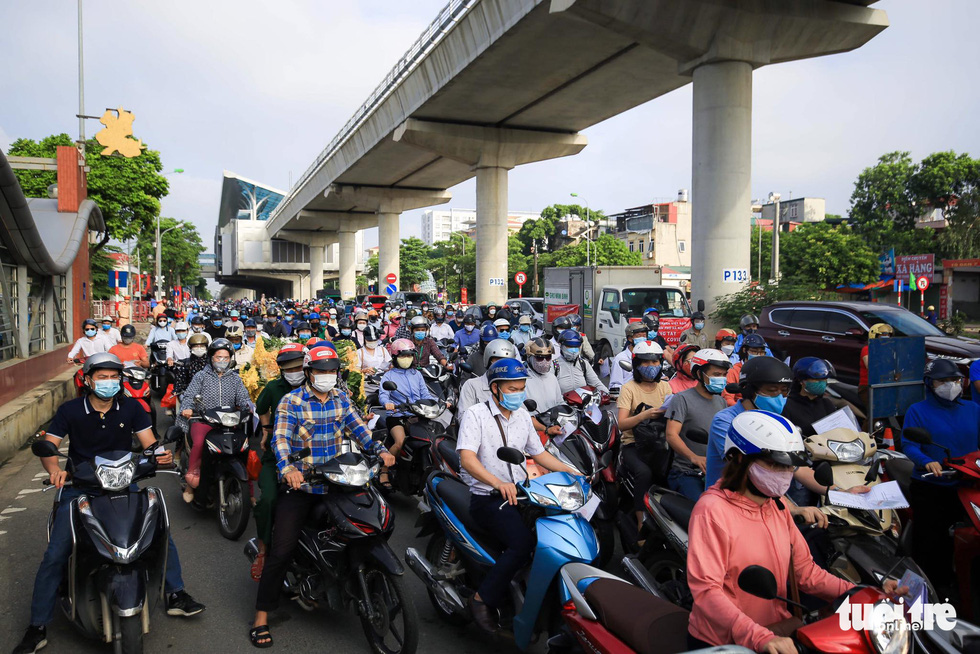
[
  {"x": 825, "y": 256},
  {"x": 371, "y": 268},
  {"x": 546, "y": 232},
  {"x": 607, "y": 250},
  {"x": 882, "y": 205},
  {"x": 752, "y": 299},
  {"x": 951, "y": 183},
  {"x": 954, "y": 324},
  {"x": 128, "y": 191},
  {"x": 517, "y": 261},
  {"x": 414, "y": 262},
  {"x": 453, "y": 264},
  {"x": 179, "y": 253},
  {"x": 763, "y": 236},
  {"x": 100, "y": 263}
]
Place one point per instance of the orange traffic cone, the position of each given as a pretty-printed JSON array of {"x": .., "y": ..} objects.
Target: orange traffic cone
[{"x": 887, "y": 439}]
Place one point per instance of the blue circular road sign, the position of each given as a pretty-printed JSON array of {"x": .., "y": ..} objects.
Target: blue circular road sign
[{"x": 391, "y": 288}]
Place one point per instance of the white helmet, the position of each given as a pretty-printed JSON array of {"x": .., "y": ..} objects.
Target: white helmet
[
  {"x": 180, "y": 326},
  {"x": 708, "y": 357},
  {"x": 499, "y": 348},
  {"x": 647, "y": 350},
  {"x": 501, "y": 322},
  {"x": 768, "y": 434}
]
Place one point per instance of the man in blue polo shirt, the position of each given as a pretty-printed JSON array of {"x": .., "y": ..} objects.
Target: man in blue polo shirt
[{"x": 100, "y": 421}]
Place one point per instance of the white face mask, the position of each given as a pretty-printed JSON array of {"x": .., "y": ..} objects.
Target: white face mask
[
  {"x": 728, "y": 349},
  {"x": 371, "y": 344},
  {"x": 199, "y": 351},
  {"x": 324, "y": 383},
  {"x": 294, "y": 378},
  {"x": 949, "y": 390}
]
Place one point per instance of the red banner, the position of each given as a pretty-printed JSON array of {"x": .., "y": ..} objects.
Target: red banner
[
  {"x": 672, "y": 328},
  {"x": 555, "y": 310},
  {"x": 943, "y": 299}
]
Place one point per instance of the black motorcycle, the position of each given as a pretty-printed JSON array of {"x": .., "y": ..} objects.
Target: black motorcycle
[
  {"x": 224, "y": 476},
  {"x": 159, "y": 373},
  {"x": 344, "y": 560},
  {"x": 115, "y": 574}
]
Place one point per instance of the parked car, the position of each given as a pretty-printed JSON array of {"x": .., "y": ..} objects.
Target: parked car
[
  {"x": 415, "y": 298},
  {"x": 837, "y": 331},
  {"x": 376, "y": 301},
  {"x": 533, "y": 306}
]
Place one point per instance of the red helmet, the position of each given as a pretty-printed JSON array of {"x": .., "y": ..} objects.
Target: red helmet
[
  {"x": 289, "y": 352},
  {"x": 322, "y": 358}
]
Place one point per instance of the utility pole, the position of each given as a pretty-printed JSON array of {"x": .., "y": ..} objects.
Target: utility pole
[
  {"x": 534, "y": 251},
  {"x": 81, "y": 86},
  {"x": 774, "y": 197}
]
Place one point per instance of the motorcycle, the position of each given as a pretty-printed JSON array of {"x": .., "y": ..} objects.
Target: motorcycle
[
  {"x": 224, "y": 477},
  {"x": 134, "y": 385},
  {"x": 441, "y": 384},
  {"x": 115, "y": 574},
  {"x": 460, "y": 552},
  {"x": 159, "y": 373},
  {"x": 343, "y": 558}
]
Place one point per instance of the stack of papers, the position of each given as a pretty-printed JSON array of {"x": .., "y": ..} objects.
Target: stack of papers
[
  {"x": 882, "y": 496},
  {"x": 839, "y": 418}
]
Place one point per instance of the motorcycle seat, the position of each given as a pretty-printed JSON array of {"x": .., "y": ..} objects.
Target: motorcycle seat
[
  {"x": 456, "y": 495},
  {"x": 447, "y": 450},
  {"x": 678, "y": 508},
  {"x": 648, "y": 624}
]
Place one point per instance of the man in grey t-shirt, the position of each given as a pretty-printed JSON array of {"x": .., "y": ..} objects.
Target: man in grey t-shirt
[{"x": 694, "y": 409}]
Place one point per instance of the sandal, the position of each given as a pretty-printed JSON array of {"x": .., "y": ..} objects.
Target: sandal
[
  {"x": 260, "y": 633},
  {"x": 257, "y": 566}
]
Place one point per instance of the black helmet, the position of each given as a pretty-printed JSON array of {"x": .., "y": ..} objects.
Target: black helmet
[
  {"x": 652, "y": 321},
  {"x": 101, "y": 361},
  {"x": 560, "y": 324},
  {"x": 746, "y": 320},
  {"x": 345, "y": 323},
  {"x": 468, "y": 319},
  {"x": 198, "y": 319},
  {"x": 220, "y": 344},
  {"x": 941, "y": 369},
  {"x": 762, "y": 370},
  {"x": 302, "y": 325},
  {"x": 438, "y": 313},
  {"x": 372, "y": 333},
  {"x": 127, "y": 331}
]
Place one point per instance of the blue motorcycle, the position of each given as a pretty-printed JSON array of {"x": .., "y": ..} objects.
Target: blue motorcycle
[{"x": 460, "y": 551}]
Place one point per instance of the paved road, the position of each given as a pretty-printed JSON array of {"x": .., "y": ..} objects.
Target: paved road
[{"x": 216, "y": 572}]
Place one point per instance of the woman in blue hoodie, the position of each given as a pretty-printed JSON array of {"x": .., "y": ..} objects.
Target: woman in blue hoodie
[
  {"x": 411, "y": 388},
  {"x": 955, "y": 425}
]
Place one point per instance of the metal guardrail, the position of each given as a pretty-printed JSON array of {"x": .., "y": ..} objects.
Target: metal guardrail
[{"x": 429, "y": 39}]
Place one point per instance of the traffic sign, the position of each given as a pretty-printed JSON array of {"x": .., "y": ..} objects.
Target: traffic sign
[
  {"x": 922, "y": 283},
  {"x": 391, "y": 288},
  {"x": 520, "y": 278},
  {"x": 391, "y": 278}
]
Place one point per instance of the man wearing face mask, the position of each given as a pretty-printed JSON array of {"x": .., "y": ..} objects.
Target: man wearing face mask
[
  {"x": 636, "y": 332},
  {"x": 652, "y": 320},
  {"x": 178, "y": 349},
  {"x": 542, "y": 384},
  {"x": 219, "y": 385},
  {"x": 522, "y": 335},
  {"x": 251, "y": 333},
  {"x": 485, "y": 427},
  {"x": 316, "y": 328},
  {"x": 695, "y": 408},
  {"x": 488, "y": 334},
  {"x": 477, "y": 389},
  {"x": 215, "y": 326},
  {"x": 289, "y": 322},
  {"x": 273, "y": 326},
  {"x": 345, "y": 331},
  {"x": 452, "y": 319},
  {"x": 129, "y": 350},
  {"x": 725, "y": 341},
  {"x": 243, "y": 353},
  {"x": 953, "y": 423},
  {"x": 441, "y": 329},
  {"x": 753, "y": 346},
  {"x": 303, "y": 333},
  {"x": 502, "y": 325},
  {"x": 318, "y": 416},
  {"x": 291, "y": 376},
  {"x": 110, "y": 333},
  {"x": 749, "y": 324},
  {"x": 426, "y": 350},
  {"x": 467, "y": 337},
  {"x": 573, "y": 371},
  {"x": 89, "y": 344},
  {"x": 696, "y": 335},
  {"x": 161, "y": 331}
]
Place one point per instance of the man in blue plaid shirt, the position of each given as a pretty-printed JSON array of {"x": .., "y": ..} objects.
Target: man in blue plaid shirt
[{"x": 315, "y": 415}]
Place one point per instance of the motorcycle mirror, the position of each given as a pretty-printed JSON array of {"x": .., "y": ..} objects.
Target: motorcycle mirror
[
  {"x": 151, "y": 449},
  {"x": 302, "y": 454},
  {"x": 824, "y": 474},
  {"x": 389, "y": 386},
  {"x": 44, "y": 447},
  {"x": 699, "y": 436},
  {"x": 530, "y": 405},
  {"x": 872, "y": 470},
  {"x": 701, "y": 306},
  {"x": 626, "y": 365},
  {"x": 917, "y": 435},
  {"x": 198, "y": 398},
  {"x": 510, "y": 455},
  {"x": 733, "y": 388},
  {"x": 173, "y": 435},
  {"x": 465, "y": 367},
  {"x": 759, "y": 581}
]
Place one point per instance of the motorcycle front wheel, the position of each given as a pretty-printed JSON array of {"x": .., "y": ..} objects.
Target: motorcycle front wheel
[
  {"x": 130, "y": 640},
  {"x": 394, "y": 627},
  {"x": 233, "y": 515},
  {"x": 669, "y": 570}
]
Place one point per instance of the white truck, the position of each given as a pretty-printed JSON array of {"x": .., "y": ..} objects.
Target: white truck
[{"x": 610, "y": 297}]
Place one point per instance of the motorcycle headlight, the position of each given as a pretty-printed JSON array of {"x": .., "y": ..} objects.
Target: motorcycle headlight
[
  {"x": 847, "y": 452},
  {"x": 117, "y": 477},
  {"x": 230, "y": 418},
  {"x": 356, "y": 475},
  {"x": 887, "y": 631},
  {"x": 428, "y": 411},
  {"x": 570, "y": 498}
]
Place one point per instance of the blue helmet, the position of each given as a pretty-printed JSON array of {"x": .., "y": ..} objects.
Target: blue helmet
[
  {"x": 570, "y": 338},
  {"x": 753, "y": 341},
  {"x": 250, "y": 323},
  {"x": 506, "y": 370},
  {"x": 314, "y": 316},
  {"x": 488, "y": 333},
  {"x": 812, "y": 368},
  {"x": 576, "y": 320}
]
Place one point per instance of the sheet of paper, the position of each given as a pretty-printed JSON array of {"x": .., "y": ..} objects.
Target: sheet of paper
[
  {"x": 917, "y": 588},
  {"x": 595, "y": 414},
  {"x": 589, "y": 508},
  {"x": 568, "y": 429},
  {"x": 882, "y": 496},
  {"x": 372, "y": 423},
  {"x": 839, "y": 418}
]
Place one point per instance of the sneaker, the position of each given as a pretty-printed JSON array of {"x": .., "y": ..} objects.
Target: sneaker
[
  {"x": 180, "y": 603},
  {"x": 34, "y": 639}
]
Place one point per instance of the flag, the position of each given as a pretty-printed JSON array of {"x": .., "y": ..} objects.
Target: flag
[{"x": 911, "y": 279}]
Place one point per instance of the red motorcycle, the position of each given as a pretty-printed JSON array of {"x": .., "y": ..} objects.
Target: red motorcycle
[
  {"x": 134, "y": 385},
  {"x": 79, "y": 378}
]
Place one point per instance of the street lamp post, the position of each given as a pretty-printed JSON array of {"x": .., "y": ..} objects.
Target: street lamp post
[
  {"x": 159, "y": 284},
  {"x": 774, "y": 198},
  {"x": 588, "y": 232}
]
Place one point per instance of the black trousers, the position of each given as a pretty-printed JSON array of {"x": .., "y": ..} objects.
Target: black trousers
[
  {"x": 292, "y": 510},
  {"x": 508, "y": 526},
  {"x": 642, "y": 475},
  {"x": 934, "y": 509}
]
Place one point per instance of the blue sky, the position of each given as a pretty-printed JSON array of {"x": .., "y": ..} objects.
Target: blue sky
[{"x": 259, "y": 88}]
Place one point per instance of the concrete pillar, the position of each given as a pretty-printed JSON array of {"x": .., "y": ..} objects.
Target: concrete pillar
[
  {"x": 721, "y": 172},
  {"x": 316, "y": 268},
  {"x": 389, "y": 242},
  {"x": 347, "y": 265},
  {"x": 491, "y": 235}
]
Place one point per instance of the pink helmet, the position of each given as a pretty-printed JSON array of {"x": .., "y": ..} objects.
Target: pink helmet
[{"x": 402, "y": 345}]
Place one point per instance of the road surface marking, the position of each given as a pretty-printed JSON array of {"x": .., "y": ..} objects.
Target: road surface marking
[
  {"x": 12, "y": 510},
  {"x": 27, "y": 491}
]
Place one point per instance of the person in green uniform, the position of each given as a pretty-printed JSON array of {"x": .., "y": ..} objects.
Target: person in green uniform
[{"x": 290, "y": 362}]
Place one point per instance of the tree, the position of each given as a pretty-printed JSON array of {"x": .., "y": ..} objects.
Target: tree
[
  {"x": 825, "y": 256},
  {"x": 516, "y": 262},
  {"x": 100, "y": 263},
  {"x": 414, "y": 262},
  {"x": 951, "y": 183},
  {"x": 371, "y": 268},
  {"x": 763, "y": 236},
  {"x": 179, "y": 253},
  {"x": 128, "y": 191},
  {"x": 453, "y": 263},
  {"x": 607, "y": 250},
  {"x": 752, "y": 299}
]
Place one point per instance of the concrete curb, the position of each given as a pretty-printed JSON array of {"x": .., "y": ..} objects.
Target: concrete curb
[{"x": 21, "y": 418}]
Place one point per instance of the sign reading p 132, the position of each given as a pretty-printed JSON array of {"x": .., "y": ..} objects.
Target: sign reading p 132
[
  {"x": 734, "y": 275},
  {"x": 497, "y": 281}
]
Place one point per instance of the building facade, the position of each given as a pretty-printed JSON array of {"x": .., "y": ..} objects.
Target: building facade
[
  {"x": 659, "y": 232},
  {"x": 797, "y": 210},
  {"x": 438, "y": 224}
]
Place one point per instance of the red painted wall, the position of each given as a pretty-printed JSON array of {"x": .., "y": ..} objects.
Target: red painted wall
[
  {"x": 72, "y": 189},
  {"x": 26, "y": 374}
]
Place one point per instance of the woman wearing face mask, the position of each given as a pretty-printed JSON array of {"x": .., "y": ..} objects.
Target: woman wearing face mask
[
  {"x": 725, "y": 341},
  {"x": 411, "y": 388},
  {"x": 683, "y": 379},
  {"x": 394, "y": 322},
  {"x": 161, "y": 331},
  {"x": 178, "y": 349},
  {"x": 185, "y": 369},
  {"x": 753, "y": 346},
  {"x": 440, "y": 330},
  {"x": 372, "y": 358},
  {"x": 219, "y": 385},
  {"x": 89, "y": 344},
  {"x": 953, "y": 423},
  {"x": 636, "y": 332},
  {"x": 647, "y": 388},
  {"x": 360, "y": 324},
  {"x": 740, "y": 521}
]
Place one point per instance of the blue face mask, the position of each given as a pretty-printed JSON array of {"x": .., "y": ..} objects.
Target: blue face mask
[
  {"x": 289, "y": 318},
  {"x": 716, "y": 385},
  {"x": 418, "y": 335},
  {"x": 525, "y": 328},
  {"x": 817, "y": 388},
  {"x": 106, "y": 327},
  {"x": 237, "y": 346},
  {"x": 513, "y": 401},
  {"x": 450, "y": 314},
  {"x": 650, "y": 373},
  {"x": 699, "y": 325},
  {"x": 752, "y": 356},
  {"x": 305, "y": 336},
  {"x": 504, "y": 335},
  {"x": 639, "y": 339},
  {"x": 106, "y": 388},
  {"x": 773, "y": 404},
  {"x": 345, "y": 332},
  {"x": 652, "y": 336},
  {"x": 217, "y": 323},
  {"x": 90, "y": 332}
]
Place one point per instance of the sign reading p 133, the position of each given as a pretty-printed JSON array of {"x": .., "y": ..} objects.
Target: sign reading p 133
[
  {"x": 497, "y": 281},
  {"x": 734, "y": 275}
]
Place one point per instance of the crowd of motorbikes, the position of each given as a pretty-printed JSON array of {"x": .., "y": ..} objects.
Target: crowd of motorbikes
[{"x": 344, "y": 561}]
